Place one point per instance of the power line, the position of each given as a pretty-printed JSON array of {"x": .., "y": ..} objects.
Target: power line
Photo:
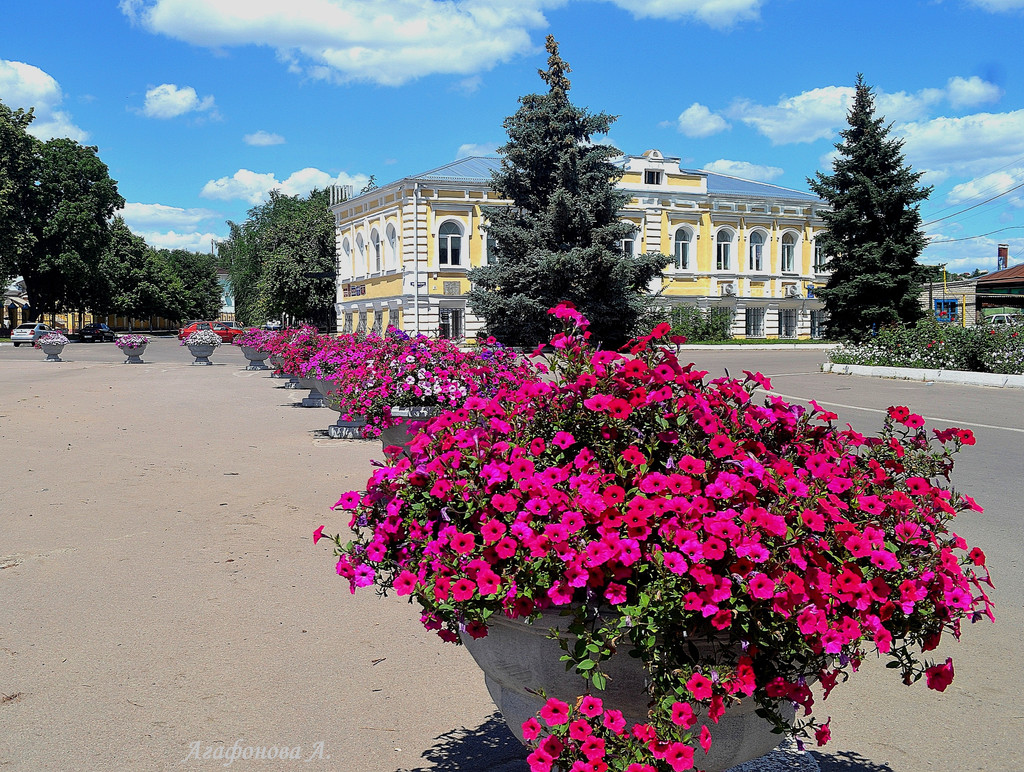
[
  {"x": 933, "y": 243},
  {"x": 974, "y": 206}
]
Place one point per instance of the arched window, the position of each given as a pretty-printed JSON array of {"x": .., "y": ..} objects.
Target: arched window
[
  {"x": 681, "y": 249},
  {"x": 756, "y": 261},
  {"x": 723, "y": 250},
  {"x": 360, "y": 254},
  {"x": 788, "y": 253},
  {"x": 449, "y": 244},
  {"x": 392, "y": 236},
  {"x": 378, "y": 257}
]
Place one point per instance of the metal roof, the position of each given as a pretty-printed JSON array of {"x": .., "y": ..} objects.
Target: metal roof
[
  {"x": 1012, "y": 275},
  {"x": 471, "y": 169},
  {"x": 478, "y": 169}
]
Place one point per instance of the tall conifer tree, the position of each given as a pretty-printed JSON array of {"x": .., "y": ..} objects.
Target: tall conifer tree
[
  {"x": 873, "y": 232},
  {"x": 561, "y": 237}
]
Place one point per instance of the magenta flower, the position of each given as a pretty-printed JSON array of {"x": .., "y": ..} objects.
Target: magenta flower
[{"x": 555, "y": 712}]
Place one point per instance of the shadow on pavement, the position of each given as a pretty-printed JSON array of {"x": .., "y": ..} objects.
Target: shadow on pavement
[
  {"x": 846, "y": 761},
  {"x": 491, "y": 746}
]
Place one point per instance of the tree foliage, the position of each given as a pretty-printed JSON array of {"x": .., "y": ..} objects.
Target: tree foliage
[
  {"x": 873, "y": 229},
  {"x": 18, "y": 162},
  {"x": 195, "y": 290},
  {"x": 281, "y": 259},
  {"x": 560, "y": 239},
  {"x": 138, "y": 282}
]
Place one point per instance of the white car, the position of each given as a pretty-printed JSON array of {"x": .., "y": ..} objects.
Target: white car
[
  {"x": 1006, "y": 319},
  {"x": 29, "y": 333}
]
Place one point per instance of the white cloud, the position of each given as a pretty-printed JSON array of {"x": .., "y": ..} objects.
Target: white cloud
[
  {"x": 263, "y": 139},
  {"x": 169, "y": 101},
  {"x": 468, "y": 85},
  {"x": 971, "y": 92},
  {"x": 972, "y": 144},
  {"x": 997, "y": 6},
  {"x": 744, "y": 169},
  {"x": 388, "y": 43},
  {"x": 253, "y": 187},
  {"x": 471, "y": 149},
  {"x": 23, "y": 85},
  {"x": 989, "y": 185},
  {"x": 806, "y": 117},
  {"x": 714, "y": 13},
  {"x": 141, "y": 216},
  {"x": 193, "y": 240},
  {"x": 698, "y": 121}
]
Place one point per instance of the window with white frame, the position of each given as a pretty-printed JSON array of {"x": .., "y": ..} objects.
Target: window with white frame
[
  {"x": 360, "y": 254},
  {"x": 490, "y": 246},
  {"x": 754, "y": 322},
  {"x": 756, "y": 251},
  {"x": 346, "y": 254},
  {"x": 451, "y": 323},
  {"x": 723, "y": 250},
  {"x": 629, "y": 246},
  {"x": 681, "y": 249},
  {"x": 378, "y": 257},
  {"x": 817, "y": 324},
  {"x": 788, "y": 253},
  {"x": 449, "y": 244},
  {"x": 392, "y": 236},
  {"x": 652, "y": 177}
]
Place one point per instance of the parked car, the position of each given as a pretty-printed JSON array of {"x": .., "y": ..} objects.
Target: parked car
[
  {"x": 95, "y": 332},
  {"x": 273, "y": 326},
  {"x": 229, "y": 327},
  {"x": 29, "y": 332},
  {"x": 1006, "y": 319},
  {"x": 224, "y": 331}
]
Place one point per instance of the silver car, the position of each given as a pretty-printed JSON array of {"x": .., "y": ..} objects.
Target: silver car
[{"x": 29, "y": 332}]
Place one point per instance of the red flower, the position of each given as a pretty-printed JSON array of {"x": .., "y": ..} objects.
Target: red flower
[{"x": 940, "y": 676}]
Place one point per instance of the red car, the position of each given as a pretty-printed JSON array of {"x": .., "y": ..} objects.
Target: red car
[{"x": 226, "y": 331}]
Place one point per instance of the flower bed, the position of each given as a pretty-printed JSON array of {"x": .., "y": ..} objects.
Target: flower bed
[
  {"x": 52, "y": 338},
  {"x": 131, "y": 341},
  {"x": 257, "y": 339},
  {"x": 935, "y": 346},
  {"x": 202, "y": 338},
  {"x": 743, "y": 549}
]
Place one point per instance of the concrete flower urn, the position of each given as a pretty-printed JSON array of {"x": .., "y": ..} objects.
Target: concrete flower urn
[
  {"x": 134, "y": 354},
  {"x": 52, "y": 351},
  {"x": 519, "y": 660},
  {"x": 314, "y": 398},
  {"x": 406, "y": 428},
  {"x": 257, "y": 360},
  {"x": 202, "y": 352},
  {"x": 278, "y": 363}
]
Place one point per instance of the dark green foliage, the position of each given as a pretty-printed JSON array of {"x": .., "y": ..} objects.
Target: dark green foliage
[
  {"x": 195, "y": 291},
  {"x": 138, "y": 282},
  {"x": 72, "y": 204},
  {"x": 560, "y": 238},
  {"x": 19, "y": 158},
  {"x": 874, "y": 234},
  {"x": 269, "y": 258}
]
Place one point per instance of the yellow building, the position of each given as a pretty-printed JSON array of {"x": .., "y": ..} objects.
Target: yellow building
[{"x": 404, "y": 249}]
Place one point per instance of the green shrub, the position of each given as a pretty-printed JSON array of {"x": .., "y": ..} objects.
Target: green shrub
[{"x": 697, "y": 325}]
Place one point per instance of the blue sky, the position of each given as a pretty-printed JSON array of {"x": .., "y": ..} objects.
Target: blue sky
[{"x": 200, "y": 107}]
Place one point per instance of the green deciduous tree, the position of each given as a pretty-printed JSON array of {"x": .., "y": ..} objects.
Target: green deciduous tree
[
  {"x": 873, "y": 229},
  {"x": 19, "y": 160},
  {"x": 281, "y": 259},
  {"x": 195, "y": 291},
  {"x": 139, "y": 282},
  {"x": 560, "y": 240},
  {"x": 73, "y": 203}
]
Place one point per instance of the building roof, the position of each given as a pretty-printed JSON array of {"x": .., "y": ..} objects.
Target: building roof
[
  {"x": 478, "y": 169},
  {"x": 1012, "y": 275}
]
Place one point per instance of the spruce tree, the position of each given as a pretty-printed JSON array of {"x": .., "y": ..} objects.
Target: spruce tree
[
  {"x": 873, "y": 232},
  {"x": 560, "y": 238}
]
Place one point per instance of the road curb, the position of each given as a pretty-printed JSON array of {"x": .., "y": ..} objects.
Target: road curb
[{"x": 994, "y": 380}]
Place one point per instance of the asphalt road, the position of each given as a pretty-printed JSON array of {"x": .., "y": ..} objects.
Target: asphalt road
[{"x": 160, "y": 593}]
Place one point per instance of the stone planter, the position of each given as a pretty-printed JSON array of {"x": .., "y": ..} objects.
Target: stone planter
[
  {"x": 401, "y": 434},
  {"x": 314, "y": 398},
  {"x": 134, "y": 354},
  {"x": 257, "y": 359},
  {"x": 52, "y": 351},
  {"x": 347, "y": 430},
  {"x": 202, "y": 352},
  {"x": 278, "y": 363},
  {"x": 519, "y": 660}
]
